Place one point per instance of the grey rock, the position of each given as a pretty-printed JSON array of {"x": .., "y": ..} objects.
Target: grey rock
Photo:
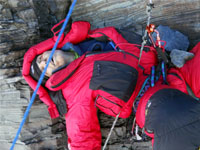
[
  {"x": 8, "y": 72},
  {"x": 19, "y": 29},
  {"x": 1, "y": 6},
  {"x": 179, "y": 57},
  {"x": 14, "y": 3},
  {"x": 6, "y": 14},
  {"x": 179, "y": 15},
  {"x": 27, "y": 15},
  {"x": 18, "y": 4},
  {"x": 119, "y": 147},
  {"x": 12, "y": 59},
  {"x": 5, "y": 47}
]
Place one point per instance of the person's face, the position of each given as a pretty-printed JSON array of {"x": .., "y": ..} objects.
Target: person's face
[{"x": 59, "y": 58}]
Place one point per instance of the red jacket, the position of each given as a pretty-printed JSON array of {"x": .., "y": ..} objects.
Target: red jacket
[
  {"x": 107, "y": 80},
  {"x": 191, "y": 71}
]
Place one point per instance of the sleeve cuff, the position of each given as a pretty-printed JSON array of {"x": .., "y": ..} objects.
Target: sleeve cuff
[{"x": 53, "y": 112}]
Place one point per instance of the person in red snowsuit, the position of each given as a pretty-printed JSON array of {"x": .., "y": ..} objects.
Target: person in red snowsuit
[
  {"x": 108, "y": 80},
  {"x": 170, "y": 114}
]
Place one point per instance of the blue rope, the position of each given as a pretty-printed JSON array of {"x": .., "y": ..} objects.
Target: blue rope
[
  {"x": 146, "y": 80},
  {"x": 43, "y": 73},
  {"x": 152, "y": 76},
  {"x": 163, "y": 71}
]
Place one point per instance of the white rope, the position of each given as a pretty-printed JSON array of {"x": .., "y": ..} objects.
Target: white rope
[
  {"x": 138, "y": 137},
  {"x": 148, "y": 12},
  {"x": 113, "y": 125}
]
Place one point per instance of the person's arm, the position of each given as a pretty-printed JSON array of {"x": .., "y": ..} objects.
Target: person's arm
[
  {"x": 83, "y": 128},
  {"x": 43, "y": 95},
  {"x": 111, "y": 34},
  {"x": 191, "y": 71}
]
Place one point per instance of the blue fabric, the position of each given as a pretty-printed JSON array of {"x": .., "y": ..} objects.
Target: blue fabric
[
  {"x": 174, "y": 39},
  {"x": 88, "y": 46}
]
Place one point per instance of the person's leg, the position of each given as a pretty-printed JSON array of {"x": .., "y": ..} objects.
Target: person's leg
[
  {"x": 184, "y": 138},
  {"x": 83, "y": 128},
  {"x": 174, "y": 117}
]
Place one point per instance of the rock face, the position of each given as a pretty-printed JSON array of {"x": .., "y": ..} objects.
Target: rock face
[
  {"x": 178, "y": 14},
  {"x": 24, "y": 23}
]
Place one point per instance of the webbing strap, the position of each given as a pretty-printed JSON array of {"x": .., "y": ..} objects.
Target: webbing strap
[
  {"x": 164, "y": 74},
  {"x": 43, "y": 73}
]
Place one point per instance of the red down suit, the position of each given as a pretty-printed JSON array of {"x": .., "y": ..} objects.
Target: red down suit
[
  {"x": 168, "y": 113},
  {"x": 107, "y": 80}
]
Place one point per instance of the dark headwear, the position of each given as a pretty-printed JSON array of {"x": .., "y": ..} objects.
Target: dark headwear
[
  {"x": 35, "y": 72},
  {"x": 56, "y": 96}
]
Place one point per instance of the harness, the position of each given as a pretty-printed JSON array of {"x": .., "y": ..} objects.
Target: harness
[{"x": 156, "y": 72}]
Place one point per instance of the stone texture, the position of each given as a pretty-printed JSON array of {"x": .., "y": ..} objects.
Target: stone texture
[
  {"x": 12, "y": 59},
  {"x": 22, "y": 21},
  {"x": 178, "y": 14},
  {"x": 12, "y": 104},
  {"x": 20, "y": 28},
  {"x": 179, "y": 58},
  {"x": 39, "y": 131}
]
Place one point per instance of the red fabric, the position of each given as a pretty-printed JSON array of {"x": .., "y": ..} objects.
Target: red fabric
[
  {"x": 176, "y": 79},
  {"x": 191, "y": 71},
  {"x": 141, "y": 110},
  {"x": 140, "y": 114},
  {"x": 81, "y": 119},
  {"x": 79, "y": 32},
  {"x": 28, "y": 58},
  {"x": 80, "y": 80}
]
